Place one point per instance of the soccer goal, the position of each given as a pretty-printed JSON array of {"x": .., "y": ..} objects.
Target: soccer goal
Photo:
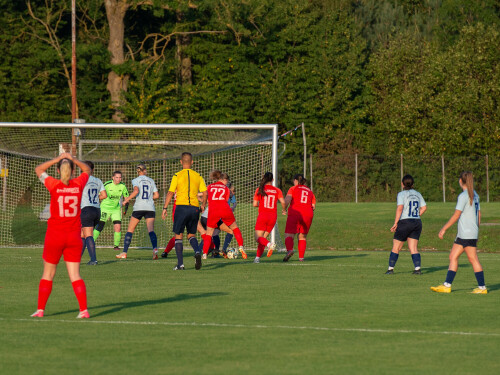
[{"x": 244, "y": 152}]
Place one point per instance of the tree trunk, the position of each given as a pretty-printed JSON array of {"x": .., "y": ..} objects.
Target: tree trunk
[
  {"x": 182, "y": 41},
  {"x": 117, "y": 84}
]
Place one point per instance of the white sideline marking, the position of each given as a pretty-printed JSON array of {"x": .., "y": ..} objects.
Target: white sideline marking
[{"x": 195, "y": 324}]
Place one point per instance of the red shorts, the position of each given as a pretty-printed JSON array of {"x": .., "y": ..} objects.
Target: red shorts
[
  {"x": 266, "y": 222},
  {"x": 224, "y": 214},
  {"x": 298, "y": 224},
  {"x": 62, "y": 243}
]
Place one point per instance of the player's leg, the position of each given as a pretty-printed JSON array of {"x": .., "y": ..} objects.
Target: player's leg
[
  {"x": 208, "y": 240},
  {"x": 116, "y": 218},
  {"x": 100, "y": 225},
  {"x": 178, "y": 229},
  {"x": 239, "y": 237},
  {"x": 302, "y": 244},
  {"x": 415, "y": 255},
  {"x": 45, "y": 287},
  {"x": 471, "y": 252},
  {"x": 455, "y": 253},
  {"x": 128, "y": 236},
  {"x": 397, "y": 245},
  {"x": 260, "y": 247},
  {"x": 192, "y": 220},
  {"x": 150, "y": 224},
  {"x": 90, "y": 244},
  {"x": 227, "y": 239},
  {"x": 79, "y": 287}
]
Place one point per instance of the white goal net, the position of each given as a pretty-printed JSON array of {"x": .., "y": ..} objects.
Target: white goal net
[{"x": 244, "y": 152}]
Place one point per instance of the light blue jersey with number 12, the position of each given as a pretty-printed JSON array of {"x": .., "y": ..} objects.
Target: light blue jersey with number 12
[
  {"x": 412, "y": 201},
  {"x": 90, "y": 195},
  {"x": 144, "y": 200}
]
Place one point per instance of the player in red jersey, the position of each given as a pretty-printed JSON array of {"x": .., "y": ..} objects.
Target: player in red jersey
[
  {"x": 171, "y": 242},
  {"x": 266, "y": 197},
  {"x": 218, "y": 195},
  {"x": 63, "y": 228},
  {"x": 300, "y": 215}
]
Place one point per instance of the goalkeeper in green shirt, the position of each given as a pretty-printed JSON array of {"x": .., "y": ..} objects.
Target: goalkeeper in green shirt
[{"x": 110, "y": 207}]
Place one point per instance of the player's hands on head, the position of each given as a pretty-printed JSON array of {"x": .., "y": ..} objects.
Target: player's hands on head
[{"x": 65, "y": 155}]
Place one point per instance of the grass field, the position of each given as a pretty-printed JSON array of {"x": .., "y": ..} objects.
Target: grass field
[{"x": 335, "y": 313}]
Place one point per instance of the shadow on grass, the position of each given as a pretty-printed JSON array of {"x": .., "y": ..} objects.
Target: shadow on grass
[
  {"x": 443, "y": 268},
  {"x": 493, "y": 287},
  {"x": 119, "y": 306}
]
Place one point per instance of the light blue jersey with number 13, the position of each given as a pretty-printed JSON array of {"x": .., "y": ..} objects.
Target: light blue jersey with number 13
[
  {"x": 412, "y": 201},
  {"x": 144, "y": 200}
]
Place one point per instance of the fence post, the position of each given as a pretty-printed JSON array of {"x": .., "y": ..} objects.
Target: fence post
[
  {"x": 443, "y": 178},
  {"x": 487, "y": 180},
  {"x": 401, "y": 169},
  {"x": 356, "y": 176},
  {"x": 305, "y": 148},
  {"x": 311, "y": 169}
]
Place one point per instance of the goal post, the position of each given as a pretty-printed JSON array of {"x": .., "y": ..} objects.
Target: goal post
[{"x": 244, "y": 151}]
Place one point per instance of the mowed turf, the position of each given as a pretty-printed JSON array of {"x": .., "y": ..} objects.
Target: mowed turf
[{"x": 335, "y": 313}]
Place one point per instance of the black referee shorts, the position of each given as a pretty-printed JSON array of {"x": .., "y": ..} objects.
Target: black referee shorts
[
  {"x": 90, "y": 216},
  {"x": 186, "y": 217},
  {"x": 408, "y": 228}
]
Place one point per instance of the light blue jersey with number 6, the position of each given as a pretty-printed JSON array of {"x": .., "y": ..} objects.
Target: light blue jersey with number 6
[
  {"x": 144, "y": 200},
  {"x": 468, "y": 224},
  {"x": 90, "y": 195},
  {"x": 412, "y": 201}
]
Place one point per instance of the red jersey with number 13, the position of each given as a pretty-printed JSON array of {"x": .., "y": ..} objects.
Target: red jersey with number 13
[
  {"x": 218, "y": 195},
  {"x": 65, "y": 202},
  {"x": 302, "y": 200},
  {"x": 268, "y": 203}
]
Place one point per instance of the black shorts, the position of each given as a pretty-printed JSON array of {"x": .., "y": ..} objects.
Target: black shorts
[
  {"x": 90, "y": 216},
  {"x": 203, "y": 222},
  {"x": 186, "y": 217},
  {"x": 143, "y": 214},
  {"x": 466, "y": 242},
  {"x": 408, "y": 228}
]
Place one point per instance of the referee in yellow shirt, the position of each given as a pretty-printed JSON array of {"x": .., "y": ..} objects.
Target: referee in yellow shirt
[{"x": 186, "y": 184}]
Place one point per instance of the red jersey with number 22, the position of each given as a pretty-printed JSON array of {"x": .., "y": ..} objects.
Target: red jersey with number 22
[
  {"x": 302, "y": 200},
  {"x": 219, "y": 209},
  {"x": 268, "y": 203},
  {"x": 65, "y": 202}
]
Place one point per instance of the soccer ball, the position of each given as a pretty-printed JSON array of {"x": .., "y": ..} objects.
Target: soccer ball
[{"x": 232, "y": 254}]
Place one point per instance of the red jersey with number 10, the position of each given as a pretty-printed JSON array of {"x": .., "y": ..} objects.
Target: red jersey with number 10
[
  {"x": 302, "y": 200},
  {"x": 65, "y": 202},
  {"x": 268, "y": 203},
  {"x": 218, "y": 195}
]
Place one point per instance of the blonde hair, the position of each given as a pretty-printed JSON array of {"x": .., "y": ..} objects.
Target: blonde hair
[
  {"x": 65, "y": 169},
  {"x": 467, "y": 179}
]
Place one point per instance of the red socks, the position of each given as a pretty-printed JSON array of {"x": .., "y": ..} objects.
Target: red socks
[
  {"x": 238, "y": 236},
  {"x": 263, "y": 241},
  {"x": 44, "y": 290},
  {"x": 289, "y": 243},
  {"x": 80, "y": 293},
  {"x": 207, "y": 241},
  {"x": 302, "y": 248},
  {"x": 170, "y": 245},
  {"x": 260, "y": 250}
]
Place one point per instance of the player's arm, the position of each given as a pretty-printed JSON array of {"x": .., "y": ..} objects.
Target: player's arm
[
  {"x": 103, "y": 194},
  {"x": 42, "y": 168},
  {"x": 479, "y": 217},
  {"x": 204, "y": 198},
  {"x": 422, "y": 210},
  {"x": 288, "y": 200},
  {"x": 168, "y": 198},
  {"x": 399, "y": 211},
  {"x": 450, "y": 222},
  {"x": 313, "y": 203},
  {"x": 131, "y": 196},
  {"x": 156, "y": 195},
  {"x": 255, "y": 203}
]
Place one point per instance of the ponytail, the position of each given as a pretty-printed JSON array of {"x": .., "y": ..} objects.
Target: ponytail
[
  {"x": 407, "y": 182},
  {"x": 300, "y": 178},
  {"x": 268, "y": 177},
  {"x": 467, "y": 179},
  {"x": 65, "y": 167},
  {"x": 215, "y": 175}
]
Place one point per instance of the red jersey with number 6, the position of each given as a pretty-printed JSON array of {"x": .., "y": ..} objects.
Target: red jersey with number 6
[
  {"x": 268, "y": 203},
  {"x": 65, "y": 202},
  {"x": 302, "y": 200}
]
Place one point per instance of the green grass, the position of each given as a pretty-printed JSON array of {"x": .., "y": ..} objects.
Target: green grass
[{"x": 336, "y": 313}]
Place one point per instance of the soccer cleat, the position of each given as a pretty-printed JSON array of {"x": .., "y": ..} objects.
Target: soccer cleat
[
  {"x": 83, "y": 315},
  {"x": 256, "y": 260},
  {"x": 389, "y": 272},
  {"x": 37, "y": 314},
  {"x": 301, "y": 259},
  {"x": 155, "y": 254},
  {"x": 116, "y": 248},
  {"x": 270, "y": 249},
  {"x": 475, "y": 291},
  {"x": 441, "y": 289},
  {"x": 197, "y": 261},
  {"x": 179, "y": 268},
  {"x": 224, "y": 254},
  {"x": 242, "y": 252},
  {"x": 216, "y": 255},
  {"x": 416, "y": 272},
  {"x": 92, "y": 263},
  {"x": 204, "y": 256},
  {"x": 164, "y": 254},
  {"x": 288, "y": 255},
  {"x": 122, "y": 256}
]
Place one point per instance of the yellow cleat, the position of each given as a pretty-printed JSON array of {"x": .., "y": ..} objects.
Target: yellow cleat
[
  {"x": 441, "y": 289},
  {"x": 480, "y": 291}
]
